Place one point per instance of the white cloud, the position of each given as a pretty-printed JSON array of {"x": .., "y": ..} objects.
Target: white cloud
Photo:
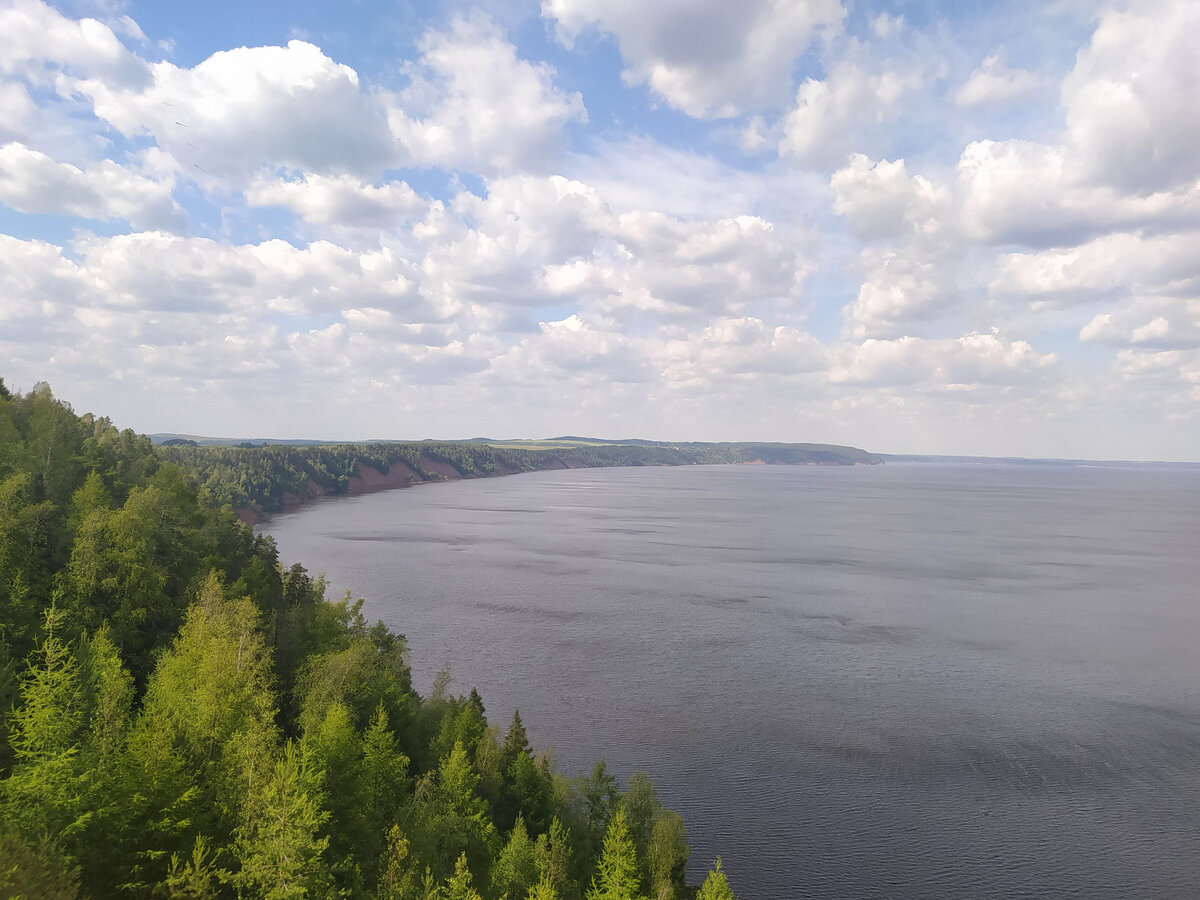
[
  {"x": 573, "y": 351},
  {"x": 493, "y": 252},
  {"x": 38, "y": 42},
  {"x": 1168, "y": 380},
  {"x": 1133, "y": 111},
  {"x": 711, "y": 59},
  {"x": 949, "y": 364},
  {"x": 240, "y": 110},
  {"x": 901, "y": 290},
  {"x": 17, "y": 110},
  {"x": 534, "y": 241},
  {"x": 32, "y": 182},
  {"x": 1148, "y": 322},
  {"x": 885, "y": 26},
  {"x": 1023, "y": 192},
  {"x": 683, "y": 268},
  {"x": 994, "y": 82},
  {"x": 849, "y": 107},
  {"x": 881, "y": 200},
  {"x": 1013, "y": 191},
  {"x": 641, "y": 173},
  {"x": 472, "y": 103},
  {"x": 40, "y": 287},
  {"x": 742, "y": 348},
  {"x": 642, "y": 278},
  {"x": 908, "y": 285},
  {"x": 1108, "y": 268},
  {"x": 339, "y": 200}
]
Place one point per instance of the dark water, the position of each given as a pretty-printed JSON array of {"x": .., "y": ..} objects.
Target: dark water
[{"x": 901, "y": 681}]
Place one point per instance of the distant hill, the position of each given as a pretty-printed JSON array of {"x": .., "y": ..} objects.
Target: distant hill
[{"x": 257, "y": 479}]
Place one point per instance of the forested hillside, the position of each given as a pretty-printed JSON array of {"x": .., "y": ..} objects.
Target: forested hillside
[
  {"x": 266, "y": 479},
  {"x": 184, "y": 717}
]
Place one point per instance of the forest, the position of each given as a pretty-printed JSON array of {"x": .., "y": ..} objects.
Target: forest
[
  {"x": 265, "y": 479},
  {"x": 183, "y": 716}
]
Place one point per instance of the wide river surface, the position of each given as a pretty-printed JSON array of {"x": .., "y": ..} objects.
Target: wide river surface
[{"x": 901, "y": 681}]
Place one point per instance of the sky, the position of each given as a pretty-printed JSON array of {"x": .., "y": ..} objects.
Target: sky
[{"x": 925, "y": 227}]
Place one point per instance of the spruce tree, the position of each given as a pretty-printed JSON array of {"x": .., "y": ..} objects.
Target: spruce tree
[
  {"x": 617, "y": 875},
  {"x": 281, "y": 849},
  {"x": 515, "y": 869},
  {"x": 459, "y": 886}
]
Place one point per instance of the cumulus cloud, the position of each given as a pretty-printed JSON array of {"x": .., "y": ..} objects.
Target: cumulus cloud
[
  {"x": 642, "y": 173},
  {"x": 532, "y": 241},
  {"x": 1133, "y": 112},
  {"x": 39, "y": 43},
  {"x": 1020, "y": 192},
  {"x": 338, "y": 200},
  {"x": 1108, "y": 268},
  {"x": 710, "y": 59},
  {"x": 994, "y": 82},
  {"x": 951, "y": 364},
  {"x": 881, "y": 200},
  {"x": 242, "y": 109},
  {"x": 473, "y": 103},
  {"x": 743, "y": 348},
  {"x": 1126, "y": 155},
  {"x": 41, "y": 286},
  {"x": 679, "y": 267},
  {"x": 32, "y": 182},
  {"x": 908, "y": 284},
  {"x": 649, "y": 277},
  {"x": 576, "y": 352},
  {"x": 492, "y": 251},
  {"x": 900, "y": 291},
  {"x": 846, "y": 109},
  {"x": 1149, "y": 322},
  {"x": 1166, "y": 379}
]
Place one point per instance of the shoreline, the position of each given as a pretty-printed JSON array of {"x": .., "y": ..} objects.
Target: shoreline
[{"x": 370, "y": 480}]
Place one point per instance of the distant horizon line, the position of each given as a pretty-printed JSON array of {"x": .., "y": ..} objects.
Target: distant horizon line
[{"x": 1005, "y": 459}]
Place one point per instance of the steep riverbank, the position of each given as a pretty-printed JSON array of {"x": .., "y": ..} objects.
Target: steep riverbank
[{"x": 258, "y": 481}]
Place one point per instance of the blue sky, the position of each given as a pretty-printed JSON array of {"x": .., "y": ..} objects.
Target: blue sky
[{"x": 922, "y": 227}]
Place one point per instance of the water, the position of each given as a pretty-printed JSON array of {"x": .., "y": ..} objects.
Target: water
[{"x": 903, "y": 681}]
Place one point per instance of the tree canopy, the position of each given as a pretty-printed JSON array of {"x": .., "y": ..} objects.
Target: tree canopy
[{"x": 183, "y": 716}]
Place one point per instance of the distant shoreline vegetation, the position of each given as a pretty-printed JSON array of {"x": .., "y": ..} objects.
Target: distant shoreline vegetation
[{"x": 258, "y": 479}]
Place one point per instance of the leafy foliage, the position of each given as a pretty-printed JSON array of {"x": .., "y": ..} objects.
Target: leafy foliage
[{"x": 184, "y": 717}]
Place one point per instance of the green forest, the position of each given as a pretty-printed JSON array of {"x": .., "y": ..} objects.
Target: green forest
[
  {"x": 181, "y": 715},
  {"x": 265, "y": 479}
]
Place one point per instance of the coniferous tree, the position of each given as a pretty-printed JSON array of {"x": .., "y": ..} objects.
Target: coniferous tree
[
  {"x": 399, "y": 879},
  {"x": 385, "y": 786},
  {"x": 44, "y": 797},
  {"x": 280, "y": 849},
  {"x": 196, "y": 877},
  {"x": 553, "y": 855},
  {"x": 334, "y": 750},
  {"x": 459, "y": 887},
  {"x": 163, "y": 807},
  {"x": 515, "y": 870},
  {"x": 516, "y": 741},
  {"x": 617, "y": 874},
  {"x": 35, "y": 870},
  {"x": 448, "y": 817}
]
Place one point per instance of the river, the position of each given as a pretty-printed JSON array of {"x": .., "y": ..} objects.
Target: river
[{"x": 922, "y": 680}]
